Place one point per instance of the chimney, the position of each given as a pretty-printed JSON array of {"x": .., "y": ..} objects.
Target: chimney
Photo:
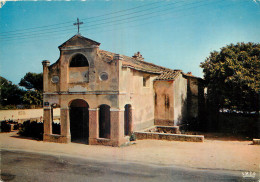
[
  {"x": 117, "y": 57},
  {"x": 138, "y": 55}
]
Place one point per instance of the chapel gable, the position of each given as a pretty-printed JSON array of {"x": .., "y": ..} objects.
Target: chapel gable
[{"x": 78, "y": 41}]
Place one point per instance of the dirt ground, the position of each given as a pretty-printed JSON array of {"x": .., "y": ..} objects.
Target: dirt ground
[{"x": 213, "y": 153}]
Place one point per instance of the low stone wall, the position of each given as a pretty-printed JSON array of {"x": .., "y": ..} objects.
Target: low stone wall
[
  {"x": 169, "y": 137},
  {"x": 21, "y": 115},
  {"x": 165, "y": 129},
  {"x": 256, "y": 141}
]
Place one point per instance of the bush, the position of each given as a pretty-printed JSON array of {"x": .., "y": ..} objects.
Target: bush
[
  {"x": 192, "y": 124},
  {"x": 132, "y": 137},
  {"x": 5, "y": 126},
  {"x": 32, "y": 129}
]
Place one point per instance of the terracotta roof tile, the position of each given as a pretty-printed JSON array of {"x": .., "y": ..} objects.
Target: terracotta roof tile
[
  {"x": 169, "y": 75},
  {"x": 134, "y": 63},
  {"x": 165, "y": 73}
]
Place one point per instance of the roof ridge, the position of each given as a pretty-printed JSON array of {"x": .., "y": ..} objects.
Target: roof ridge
[
  {"x": 140, "y": 61},
  {"x": 80, "y": 36}
]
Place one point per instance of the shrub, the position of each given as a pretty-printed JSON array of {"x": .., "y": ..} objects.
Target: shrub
[
  {"x": 5, "y": 126},
  {"x": 32, "y": 129},
  {"x": 132, "y": 137}
]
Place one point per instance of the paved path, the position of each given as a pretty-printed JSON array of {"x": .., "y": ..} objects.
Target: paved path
[
  {"x": 212, "y": 154},
  {"x": 31, "y": 167}
]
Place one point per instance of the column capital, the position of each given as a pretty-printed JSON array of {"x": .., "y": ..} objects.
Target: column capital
[
  {"x": 116, "y": 109},
  {"x": 47, "y": 107},
  {"x": 93, "y": 109},
  {"x": 64, "y": 108}
]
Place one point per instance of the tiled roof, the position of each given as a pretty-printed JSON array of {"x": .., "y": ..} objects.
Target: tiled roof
[
  {"x": 134, "y": 63},
  {"x": 190, "y": 75},
  {"x": 140, "y": 65},
  {"x": 169, "y": 75}
]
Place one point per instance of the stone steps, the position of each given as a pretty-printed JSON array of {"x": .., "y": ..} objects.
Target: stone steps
[{"x": 170, "y": 133}]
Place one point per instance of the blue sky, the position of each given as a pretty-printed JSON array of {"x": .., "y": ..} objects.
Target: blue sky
[{"x": 176, "y": 34}]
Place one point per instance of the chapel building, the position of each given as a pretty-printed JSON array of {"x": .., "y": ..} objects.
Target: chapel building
[{"x": 104, "y": 97}]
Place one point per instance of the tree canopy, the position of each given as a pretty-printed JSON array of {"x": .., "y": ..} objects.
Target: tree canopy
[
  {"x": 10, "y": 94},
  {"x": 32, "y": 81},
  {"x": 232, "y": 77}
]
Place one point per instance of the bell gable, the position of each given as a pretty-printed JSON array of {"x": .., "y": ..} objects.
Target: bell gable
[{"x": 78, "y": 41}]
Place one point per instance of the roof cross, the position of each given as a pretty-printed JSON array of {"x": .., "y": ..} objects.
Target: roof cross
[{"x": 78, "y": 23}]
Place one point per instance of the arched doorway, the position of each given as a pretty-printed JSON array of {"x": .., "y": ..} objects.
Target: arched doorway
[
  {"x": 79, "y": 121},
  {"x": 104, "y": 121},
  {"x": 128, "y": 119}
]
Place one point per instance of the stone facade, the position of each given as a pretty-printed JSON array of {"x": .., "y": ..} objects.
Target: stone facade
[{"x": 104, "y": 97}]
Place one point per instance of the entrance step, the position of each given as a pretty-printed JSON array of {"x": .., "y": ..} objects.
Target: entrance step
[
  {"x": 170, "y": 133},
  {"x": 164, "y": 129}
]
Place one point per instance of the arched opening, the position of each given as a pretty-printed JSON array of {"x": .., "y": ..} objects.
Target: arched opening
[
  {"x": 79, "y": 121},
  {"x": 78, "y": 69},
  {"x": 104, "y": 121},
  {"x": 79, "y": 61},
  {"x": 55, "y": 121},
  {"x": 128, "y": 119}
]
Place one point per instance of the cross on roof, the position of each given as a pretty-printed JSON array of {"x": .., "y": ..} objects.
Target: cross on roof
[{"x": 78, "y": 23}]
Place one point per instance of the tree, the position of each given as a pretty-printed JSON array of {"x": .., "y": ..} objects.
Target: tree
[
  {"x": 32, "y": 98},
  {"x": 232, "y": 77},
  {"x": 32, "y": 81},
  {"x": 11, "y": 94}
]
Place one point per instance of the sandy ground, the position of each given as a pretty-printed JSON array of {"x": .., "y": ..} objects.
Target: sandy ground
[{"x": 211, "y": 154}]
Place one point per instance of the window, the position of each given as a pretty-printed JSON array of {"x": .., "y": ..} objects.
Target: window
[
  {"x": 146, "y": 80},
  {"x": 155, "y": 99},
  {"x": 167, "y": 101}
]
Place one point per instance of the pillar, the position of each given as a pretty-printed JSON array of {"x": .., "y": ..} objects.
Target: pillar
[
  {"x": 45, "y": 65},
  {"x": 131, "y": 118},
  {"x": 65, "y": 124},
  {"x": 47, "y": 121},
  {"x": 93, "y": 125},
  {"x": 117, "y": 127},
  {"x": 64, "y": 74}
]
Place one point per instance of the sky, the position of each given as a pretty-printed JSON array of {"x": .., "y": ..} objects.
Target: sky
[{"x": 178, "y": 34}]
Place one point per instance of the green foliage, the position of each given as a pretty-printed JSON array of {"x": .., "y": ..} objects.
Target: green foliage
[
  {"x": 32, "y": 129},
  {"x": 5, "y": 126},
  {"x": 232, "y": 77},
  {"x": 35, "y": 130},
  {"x": 32, "y": 81},
  {"x": 11, "y": 94},
  {"x": 32, "y": 98},
  {"x": 132, "y": 137}
]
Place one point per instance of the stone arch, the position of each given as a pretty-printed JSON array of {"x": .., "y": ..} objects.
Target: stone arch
[
  {"x": 79, "y": 120},
  {"x": 104, "y": 121},
  {"x": 78, "y": 60},
  {"x": 128, "y": 119},
  {"x": 78, "y": 68}
]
